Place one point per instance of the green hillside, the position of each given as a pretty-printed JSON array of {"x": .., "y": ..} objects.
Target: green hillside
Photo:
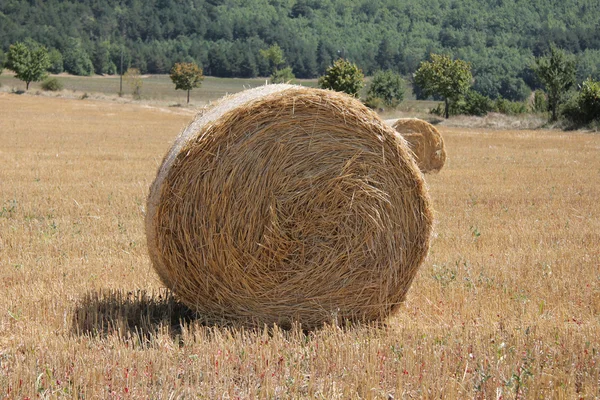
[{"x": 499, "y": 37}]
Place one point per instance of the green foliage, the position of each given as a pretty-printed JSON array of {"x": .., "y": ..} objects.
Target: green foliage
[
  {"x": 56, "y": 61},
  {"x": 186, "y": 76},
  {"x": 589, "y": 100},
  {"x": 540, "y": 102},
  {"x": 375, "y": 103},
  {"x": 101, "y": 59},
  {"x": 226, "y": 37},
  {"x": 445, "y": 77},
  {"x": 584, "y": 107},
  {"x": 76, "y": 60},
  {"x": 508, "y": 107},
  {"x": 52, "y": 84},
  {"x": 343, "y": 76},
  {"x": 1, "y": 61},
  {"x": 557, "y": 72},
  {"x": 388, "y": 86},
  {"x": 284, "y": 75},
  {"x": 28, "y": 60},
  {"x": 274, "y": 56},
  {"x": 473, "y": 103}
]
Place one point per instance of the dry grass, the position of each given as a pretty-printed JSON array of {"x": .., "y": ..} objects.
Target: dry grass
[
  {"x": 507, "y": 304},
  {"x": 285, "y": 204}
]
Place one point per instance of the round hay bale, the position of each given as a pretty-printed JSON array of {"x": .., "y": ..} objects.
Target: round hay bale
[
  {"x": 425, "y": 142},
  {"x": 286, "y": 204}
]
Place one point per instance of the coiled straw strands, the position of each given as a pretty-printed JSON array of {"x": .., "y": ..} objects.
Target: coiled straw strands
[
  {"x": 286, "y": 204},
  {"x": 425, "y": 141}
]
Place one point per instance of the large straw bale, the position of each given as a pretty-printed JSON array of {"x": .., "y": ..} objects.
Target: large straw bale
[
  {"x": 286, "y": 204},
  {"x": 425, "y": 141}
]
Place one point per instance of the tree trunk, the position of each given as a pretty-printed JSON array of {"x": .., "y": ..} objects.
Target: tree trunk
[
  {"x": 188, "y": 96},
  {"x": 447, "y": 109},
  {"x": 27, "y": 85}
]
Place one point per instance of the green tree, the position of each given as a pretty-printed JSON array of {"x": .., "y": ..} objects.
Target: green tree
[
  {"x": 1, "y": 61},
  {"x": 388, "y": 86},
  {"x": 274, "y": 55},
  {"x": 283, "y": 75},
  {"x": 557, "y": 72},
  {"x": 56, "y": 61},
  {"x": 584, "y": 107},
  {"x": 186, "y": 76},
  {"x": 343, "y": 76},
  {"x": 76, "y": 59},
  {"x": 29, "y": 61},
  {"x": 447, "y": 78}
]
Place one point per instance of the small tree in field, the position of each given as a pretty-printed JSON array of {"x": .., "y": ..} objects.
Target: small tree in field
[
  {"x": 343, "y": 76},
  {"x": 557, "y": 73},
  {"x": 388, "y": 86},
  {"x": 186, "y": 76},
  {"x": 29, "y": 60},
  {"x": 133, "y": 77},
  {"x": 442, "y": 76}
]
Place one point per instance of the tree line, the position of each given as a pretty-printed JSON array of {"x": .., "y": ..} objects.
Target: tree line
[
  {"x": 440, "y": 76},
  {"x": 499, "y": 38}
]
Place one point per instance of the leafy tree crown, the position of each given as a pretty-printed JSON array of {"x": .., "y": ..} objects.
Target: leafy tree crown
[
  {"x": 343, "y": 76},
  {"x": 442, "y": 76},
  {"x": 186, "y": 76},
  {"x": 28, "y": 60},
  {"x": 388, "y": 86}
]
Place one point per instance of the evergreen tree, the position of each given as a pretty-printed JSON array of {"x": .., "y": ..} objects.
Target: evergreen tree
[
  {"x": 56, "y": 61},
  {"x": 557, "y": 72},
  {"x": 76, "y": 60}
]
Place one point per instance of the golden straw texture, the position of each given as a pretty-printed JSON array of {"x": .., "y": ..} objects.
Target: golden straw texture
[
  {"x": 425, "y": 141},
  {"x": 286, "y": 204}
]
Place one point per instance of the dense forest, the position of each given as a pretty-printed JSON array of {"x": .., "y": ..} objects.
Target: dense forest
[{"x": 499, "y": 38}]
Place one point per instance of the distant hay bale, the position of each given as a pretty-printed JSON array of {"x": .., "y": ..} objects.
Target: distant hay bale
[
  {"x": 425, "y": 141},
  {"x": 286, "y": 204}
]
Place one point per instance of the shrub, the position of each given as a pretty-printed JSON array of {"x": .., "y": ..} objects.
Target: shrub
[
  {"x": 540, "y": 102},
  {"x": 52, "y": 84},
  {"x": 284, "y": 75},
  {"x": 589, "y": 100},
  {"x": 475, "y": 103},
  {"x": 508, "y": 107},
  {"x": 583, "y": 107},
  {"x": 375, "y": 103},
  {"x": 387, "y": 86},
  {"x": 343, "y": 76}
]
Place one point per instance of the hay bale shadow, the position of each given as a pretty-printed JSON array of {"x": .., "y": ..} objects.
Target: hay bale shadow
[{"x": 134, "y": 314}]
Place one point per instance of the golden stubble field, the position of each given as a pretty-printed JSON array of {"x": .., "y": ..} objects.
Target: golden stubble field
[{"x": 506, "y": 306}]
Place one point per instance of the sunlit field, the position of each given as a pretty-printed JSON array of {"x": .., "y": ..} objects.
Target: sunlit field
[{"x": 507, "y": 305}]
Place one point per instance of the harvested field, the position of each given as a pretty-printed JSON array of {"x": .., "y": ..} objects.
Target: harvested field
[{"x": 507, "y": 303}]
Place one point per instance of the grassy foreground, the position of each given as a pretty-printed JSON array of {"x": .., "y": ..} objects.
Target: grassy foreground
[{"x": 506, "y": 306}]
